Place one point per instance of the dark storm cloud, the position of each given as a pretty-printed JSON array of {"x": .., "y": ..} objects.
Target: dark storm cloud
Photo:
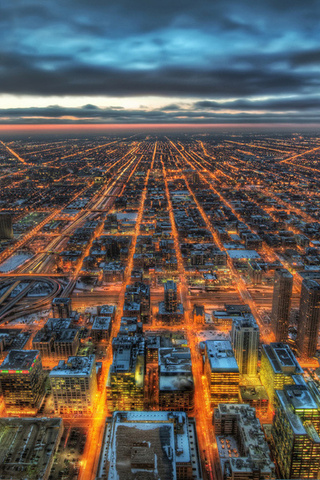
[
  {"x": 21, "y": 75},
  {"x": 92, "y": 114},
  {"x": 274, "y": 104},
  {"x": 209, "y": 50},
  {"x": 309, "y": 57}
]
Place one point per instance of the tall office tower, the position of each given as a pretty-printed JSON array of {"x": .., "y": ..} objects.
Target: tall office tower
[
  {"x": 281, "y": 303},
  {"x": 170, "y": 296},
  {"x": 222, "y": 372},
  {"x": 309, "y": 315},
  {"x": 126, "y": 378},
  {"x": 61, "y": 307},
  {"x": 74, "y": 385},
  {"x": 148, "y": 446},
  {"x": 242, "y": 448},
  {"x": 295, "y": 431},
  {"x": 245, "y": 342},
  {"x": 5, "y": 226},
  {"x": 278, "y": 367},
  {"x": 22, "y": 381}
]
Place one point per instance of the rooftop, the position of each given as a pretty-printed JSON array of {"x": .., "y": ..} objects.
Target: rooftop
[
  {"x": 19, "y": 360},
  {"x": 282, "y": 358},
  {"x": 27, "y": 444},
  {"x": 75, "y": 366},
  {"x": 221, "y": 356},
  {"x": 101, "y": 323},
  {"x": 145, "y": 446}
]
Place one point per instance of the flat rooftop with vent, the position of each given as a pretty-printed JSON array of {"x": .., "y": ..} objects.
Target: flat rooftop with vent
[{"x": 148, "y": 445}]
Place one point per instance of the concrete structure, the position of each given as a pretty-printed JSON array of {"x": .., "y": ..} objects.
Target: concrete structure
[
  {"x": 61, "y": 307},
  {"x": 101, "y": 329},
  {"x": 278, "y": 366},
  {"x": 245, "y": 342},
  {"x": 309, "y": 317},
  {"x": 281, "y": 304},
  {"x": 176, "y": 386},
  {"x": 107, "y": 311},
  {"x": 242, "y": 448},
  {"x": 222, "y": 372},
  {"x": 256, "y": 396},
  {"x": 149, "y": 445},
  {"x": 57, "y": 340},
  {"x": 74, "y": 385},
  {"x": 295, "y": 431},
  {"x": 22, "y": 381},
  {"x": 28, "y": 446}
]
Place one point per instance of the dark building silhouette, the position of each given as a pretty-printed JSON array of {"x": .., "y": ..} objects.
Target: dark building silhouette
[
  {"x": 5, "y": 226},
  {"x": 309, "y": 315},
  {"x": 170, "y": 296},
  {"x": 281, "y": 303},
  {"x": 61, "y": 307}
]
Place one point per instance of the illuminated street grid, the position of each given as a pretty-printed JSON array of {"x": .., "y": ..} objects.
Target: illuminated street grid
[{"x": 215, "y": 213}]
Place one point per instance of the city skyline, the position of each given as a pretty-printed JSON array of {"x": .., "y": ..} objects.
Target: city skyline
[{"x": 159, "y": 240}]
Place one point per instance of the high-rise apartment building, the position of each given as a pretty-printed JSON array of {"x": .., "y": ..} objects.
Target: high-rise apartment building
[
  {"x": 308, "y": 320},
  {"x": 170, "y": 311},
  {"x": 22, "y": 381},
  {"x": 74, "y": 385},
  {"x": 295, "y": 431},
  {"x": 281, "y": 303},
  {"x": 170, "y": 296},
  {"x": 245, "y": 342}
]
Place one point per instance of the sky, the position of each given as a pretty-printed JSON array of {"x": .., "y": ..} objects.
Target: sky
[{"x": 150, "y": 62}]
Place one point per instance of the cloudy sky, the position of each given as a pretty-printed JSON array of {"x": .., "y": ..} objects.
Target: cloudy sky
[{"x": 146, "y": 61}]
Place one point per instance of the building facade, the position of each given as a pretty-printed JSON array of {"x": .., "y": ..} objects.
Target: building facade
[
  {"x": 278, "y": 367},
  {"x": 22, "y": 381},
  {"x": 242, "y": 449},
  {"x": 245, "y": 342},
  {"x": 295, "y": 431},
  {"x": 309, "y": 316},
  {"x": 222, "y": 372},
  {"x": 281, "y": 304},
  {"x": 74, "y": 385}
]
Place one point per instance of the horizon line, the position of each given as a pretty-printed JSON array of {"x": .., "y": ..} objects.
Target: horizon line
[{"x": 93, "y": 126}]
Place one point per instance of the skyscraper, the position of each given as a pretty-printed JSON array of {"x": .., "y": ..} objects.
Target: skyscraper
[
  {"x": 281, "y": 303},
  {"x": 222, "y": 372},
  {"x": 295, "y": 430},
  {"x": 309, "y": 315},
  {"x": 245, "y": 342},
  {"x": 170, "y": 296}
]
